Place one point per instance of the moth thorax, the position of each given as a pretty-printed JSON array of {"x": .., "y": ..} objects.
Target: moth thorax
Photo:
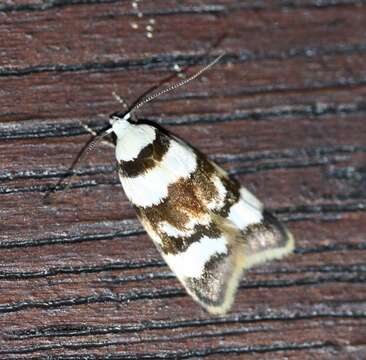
[
  {"x": 119, "y": 126},
  {"x": 132, "y": 139}
]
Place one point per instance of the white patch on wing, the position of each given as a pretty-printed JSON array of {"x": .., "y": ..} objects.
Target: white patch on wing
[
  {"x": 250, "y": 198},
  {"x": 172, "y": 231},
  {"x": 191, "y": 263},
  {"x": 247, "y": 211},
  {"x": 218, "y": 202},
  {"x": 131, "y": 139},
  {"x": 151, "y": 187}
]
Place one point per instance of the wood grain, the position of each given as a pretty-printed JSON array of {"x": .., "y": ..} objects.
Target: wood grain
[{"x": 284, "y": 112}]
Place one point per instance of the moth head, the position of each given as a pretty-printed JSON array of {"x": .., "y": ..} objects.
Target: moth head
[{"x": 119, "y": 123}]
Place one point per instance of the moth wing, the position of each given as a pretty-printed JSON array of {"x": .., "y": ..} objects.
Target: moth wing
[
  {"x": 210, "y": 268},
  {"x": 253, "y": 236},
  {"x": 209, "y": 263},
  {"x": 264, "y": 237},
  {"x": 266, "y": 241},
  {"x": 215, "y": 288},
  {"x": 217, "y": 284},
  {"x": 263, "y": 240}
]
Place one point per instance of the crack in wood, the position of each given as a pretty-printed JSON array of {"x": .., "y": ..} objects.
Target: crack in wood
[
  {"x": 316, "y": 110},
  {"x": 129, "y": 265},
  {"x": 311, "y": 313},
  {"x": 167, "y": 61},
  {"x": 274, "y": 347},
  {"x": 190, "y": 10},
  {"x": 294, "y": 163},
  {"x": 321, "y": 152},
  {"x": 293, "y": 213},
  {"x": 171, "y": 292}
]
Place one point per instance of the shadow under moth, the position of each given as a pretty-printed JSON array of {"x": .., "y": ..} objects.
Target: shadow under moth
[{"x": 207, "y": 227}]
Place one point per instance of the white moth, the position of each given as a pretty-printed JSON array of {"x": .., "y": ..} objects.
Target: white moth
[{"x": 206, "y": 226}]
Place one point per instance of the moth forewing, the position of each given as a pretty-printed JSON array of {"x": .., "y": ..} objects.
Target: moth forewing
[{"x": 207, "y": 228}]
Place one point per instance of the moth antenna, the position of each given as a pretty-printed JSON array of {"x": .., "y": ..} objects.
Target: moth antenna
[
  {"x": 91, "y": 147},
  {"x": 175, "y": 86},
  {"x": 84, "y": 153}
]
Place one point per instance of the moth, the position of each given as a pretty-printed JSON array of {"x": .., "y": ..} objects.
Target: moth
[{"x": 208, "y": 228}]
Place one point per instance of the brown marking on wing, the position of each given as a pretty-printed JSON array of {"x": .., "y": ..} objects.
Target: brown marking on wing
[
  {"x": 186, "y": 198},
  {"x": 149, "y": 157}
]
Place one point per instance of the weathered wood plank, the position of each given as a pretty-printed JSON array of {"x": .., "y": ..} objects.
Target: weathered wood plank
[{"x": 284, "y": 112}]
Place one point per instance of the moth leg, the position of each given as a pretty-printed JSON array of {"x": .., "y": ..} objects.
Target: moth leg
[{"x": 92, "y": 132}]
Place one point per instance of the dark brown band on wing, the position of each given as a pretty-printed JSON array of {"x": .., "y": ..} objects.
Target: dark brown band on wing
[
  {"x": 148, "y": 157},
  {"x": 232, "y": 196},
  {"x": 186, "y": 197},
  {"x": 175, "y": 245},
  {"x": 186, "y": 200}
]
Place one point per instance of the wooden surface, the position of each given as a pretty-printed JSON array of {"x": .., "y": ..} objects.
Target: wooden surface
[{"x": 284, "y": 112}]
